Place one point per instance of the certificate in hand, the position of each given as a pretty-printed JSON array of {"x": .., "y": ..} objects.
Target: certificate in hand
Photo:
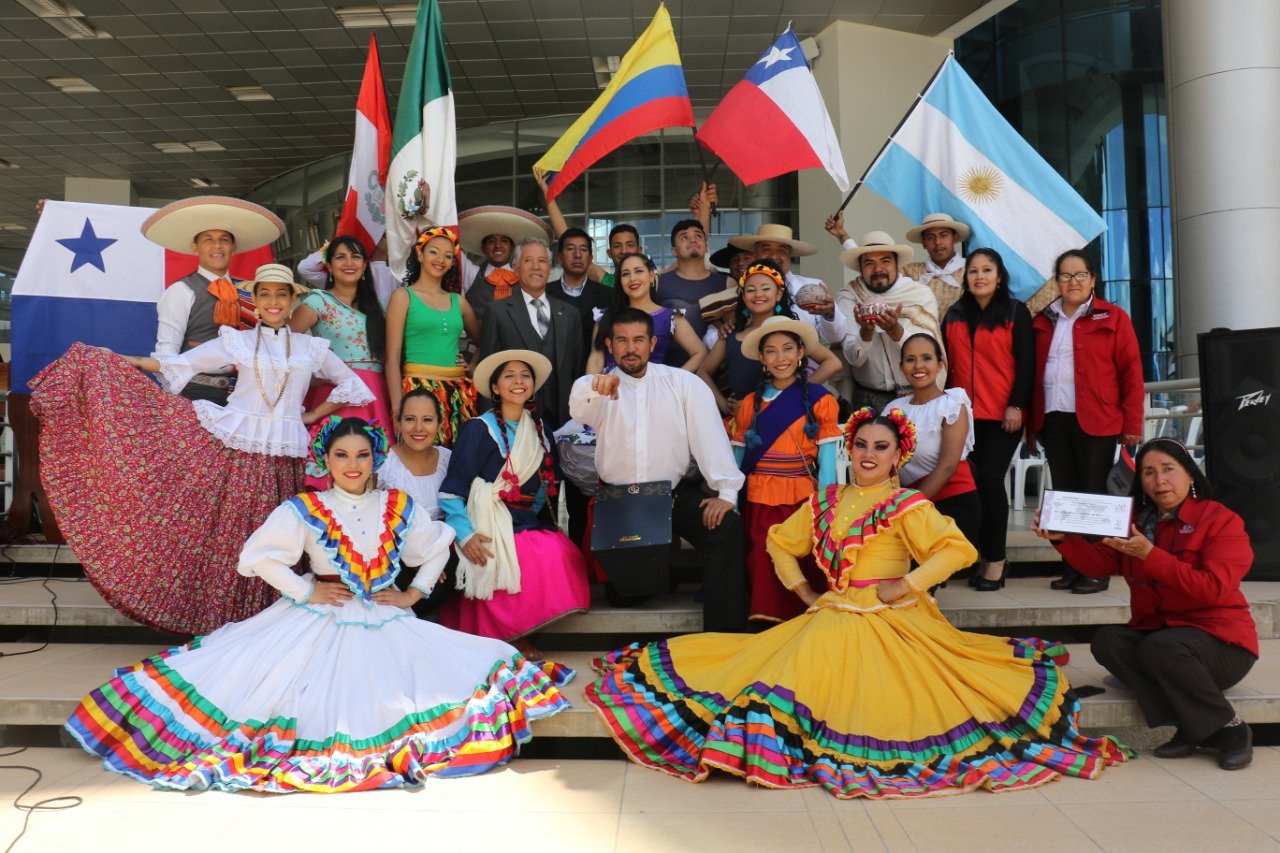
[{"x": 1088, "y": 514}]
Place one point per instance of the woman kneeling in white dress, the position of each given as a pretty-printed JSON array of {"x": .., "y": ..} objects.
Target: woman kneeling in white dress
[{"x": 335, "y": 687}]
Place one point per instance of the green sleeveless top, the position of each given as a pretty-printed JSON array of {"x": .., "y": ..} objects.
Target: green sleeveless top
[{"x": 431, "y": 336}]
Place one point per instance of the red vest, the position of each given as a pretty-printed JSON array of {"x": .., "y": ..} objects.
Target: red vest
[{"x": 983, "y": 365}]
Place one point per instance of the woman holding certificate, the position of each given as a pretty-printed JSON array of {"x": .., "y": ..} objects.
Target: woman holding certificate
[
  {"x": 1088, "y": 390},
  {"x": 1190, "y": 636}
]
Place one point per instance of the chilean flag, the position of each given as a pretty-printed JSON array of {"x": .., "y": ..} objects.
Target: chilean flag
[
  {"x": 774, "y": 120},
  {"x": 89, "y": 275},
  {"x": 362, "y": 212}
]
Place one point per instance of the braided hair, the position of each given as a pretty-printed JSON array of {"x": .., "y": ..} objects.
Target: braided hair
[{"x": 751, "y": 438}]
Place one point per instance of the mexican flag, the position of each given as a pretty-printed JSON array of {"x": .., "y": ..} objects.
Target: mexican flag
[
  {"x": 363, "y": 211},
  {"x": 424, "y": 144}
]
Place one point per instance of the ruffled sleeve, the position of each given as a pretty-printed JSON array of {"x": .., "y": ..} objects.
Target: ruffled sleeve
[
  {"x": 789, "y": 540},
  {"x": 936, "y": 544},
  {"x": 597, "y": 314},
  {"x": 741, "y": 420},
  {"x": 957, "y": 401},
  {"x": 827, "y": 413},
  {"x": 212, "y": 356},
  {"x": 348, "y": 387},
  {"x": 426, "y": 546},
  {"x": 273, "y": 550}
]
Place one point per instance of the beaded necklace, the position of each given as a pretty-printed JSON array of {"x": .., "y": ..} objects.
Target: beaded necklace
[{"x": 257, "y": 369}]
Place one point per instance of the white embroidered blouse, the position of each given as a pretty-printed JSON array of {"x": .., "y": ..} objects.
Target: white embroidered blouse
[{"x": 253, "y": 419}]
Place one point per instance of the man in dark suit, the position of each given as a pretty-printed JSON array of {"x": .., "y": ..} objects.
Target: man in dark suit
[
  {"x": 529, "y": 319},
  {"x": 576, "y": 287}
]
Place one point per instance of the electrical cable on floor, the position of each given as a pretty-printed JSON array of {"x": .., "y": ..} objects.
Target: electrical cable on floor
[{"x": 49, "y": 804}]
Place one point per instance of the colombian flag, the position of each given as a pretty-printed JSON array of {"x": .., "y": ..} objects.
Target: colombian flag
[{"x": 646, "y": 93}]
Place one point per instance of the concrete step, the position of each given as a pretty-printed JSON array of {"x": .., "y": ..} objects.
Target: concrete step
[
  {"x": 42, "y": 689},
  {"x": 1023, "y": 603}
]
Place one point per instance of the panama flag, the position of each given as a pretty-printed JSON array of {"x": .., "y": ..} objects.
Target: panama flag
[
  {"x": 955, "y": 153},
  {"x": 774, "y": 120},
  {"x": 89, "y": 275},
  {"x": 362, "y": 212},
  {"x": 424, "y": 145}
]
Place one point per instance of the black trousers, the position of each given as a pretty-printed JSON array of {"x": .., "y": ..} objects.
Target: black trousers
[
  {"x": 721, "y": 550},
  {"x": 965, "y": 510},
  {"x": 1079, "y": 462},
  {"x": 575, "y": 504},
  {"x": 993, "y": 448},
  {"x": 1177, "y": 674}
]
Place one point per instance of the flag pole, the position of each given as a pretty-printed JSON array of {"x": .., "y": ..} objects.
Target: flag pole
[
  {"x": 706, "y": 176},
  {"x": 894, "y": 132}
]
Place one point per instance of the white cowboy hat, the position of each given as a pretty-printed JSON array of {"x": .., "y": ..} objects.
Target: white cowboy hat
[
  {"x": 876, "y": 241},
  {"x": 938, "y": 220},
  {"x": 176, "y": 225},
  {"x": 512, "y": 222},
  {"x": 484, "y": 371},
  {"x": 774, "y": 234},
  {"x": 275, "y": 274},
  {"x": 808, "y": 335}
]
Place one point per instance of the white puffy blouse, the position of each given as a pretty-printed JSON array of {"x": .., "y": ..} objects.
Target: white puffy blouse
[
  {"x": 278, "y": 545},
  {"x": 929, "y": 418},
  {"x": 252, "y": 421}
]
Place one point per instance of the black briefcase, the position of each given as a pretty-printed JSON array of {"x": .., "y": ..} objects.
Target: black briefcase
[{"x": 631, "y": 536}]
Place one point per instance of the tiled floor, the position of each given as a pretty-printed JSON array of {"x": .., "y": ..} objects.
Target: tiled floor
[{"x": 1147, "y": 804}]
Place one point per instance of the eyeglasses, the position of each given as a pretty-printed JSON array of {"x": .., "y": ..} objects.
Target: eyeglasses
[{"x": 1078, "y": 278}]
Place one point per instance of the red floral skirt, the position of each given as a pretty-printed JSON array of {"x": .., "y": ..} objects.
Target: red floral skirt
[{"x": 155, "y": 508}]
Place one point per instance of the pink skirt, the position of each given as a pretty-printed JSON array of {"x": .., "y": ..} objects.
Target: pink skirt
[
  {"x": 379, "y": 412},
  {"x": 553, "y": 585},
  {"x": 155, "y": 508}
]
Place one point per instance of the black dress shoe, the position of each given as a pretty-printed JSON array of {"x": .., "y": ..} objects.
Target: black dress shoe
[
  {"x": 1235, "y": 747},
  {"x": 1069, "y": 579},
  {"x": 984, "y": 585},
  {"x": 1087, "y": 586},
  {"x": 1177, "y": 747}
]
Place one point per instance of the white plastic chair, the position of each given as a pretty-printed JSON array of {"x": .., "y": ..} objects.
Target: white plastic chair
[{"x": 1021, "y": 463}]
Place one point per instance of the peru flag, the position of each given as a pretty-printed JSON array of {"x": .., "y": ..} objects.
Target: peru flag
[
  {"x": 362, "y": 212},
  {"x": 774, "y": 121}
]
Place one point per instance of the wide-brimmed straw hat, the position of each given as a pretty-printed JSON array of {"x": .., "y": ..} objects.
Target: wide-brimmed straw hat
[
  {"x": 774, "y": 234},
  {"x": 512, "y": 222},
  {"x": 275, "y": 274},
  {"x": 484, "y": 371},
  {"x": 876, "y": 241},
  {"x": 751, "y": 343},
  {"x": 938, "y": 220},
  {"x": 176, "y": 225}
]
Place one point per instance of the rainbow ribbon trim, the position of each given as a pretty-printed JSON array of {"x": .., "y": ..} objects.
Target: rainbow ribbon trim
[
  {"x": 362, "y": 577},
  {"x": 829, "y": 548}
]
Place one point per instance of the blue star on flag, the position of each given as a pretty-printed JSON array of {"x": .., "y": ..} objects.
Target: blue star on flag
[{"x": 87, "y": 248}]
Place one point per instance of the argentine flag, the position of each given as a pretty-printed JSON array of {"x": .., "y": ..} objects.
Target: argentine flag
[{"x": 955, "y": 153}]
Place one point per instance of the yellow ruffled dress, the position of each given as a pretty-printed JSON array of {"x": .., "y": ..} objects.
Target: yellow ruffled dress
[{"x": 864, "y": 698}]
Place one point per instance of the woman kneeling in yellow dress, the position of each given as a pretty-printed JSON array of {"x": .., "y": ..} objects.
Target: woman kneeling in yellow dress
[{"x": 871, "y": 693}]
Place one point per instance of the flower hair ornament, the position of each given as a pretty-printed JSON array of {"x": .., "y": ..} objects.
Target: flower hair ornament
[
  {"x": 322, "y": 434},
  {"x": 437, "y": 231},
  {"x": 761, "y": 269},
  {"x": 902, "y": 425}
]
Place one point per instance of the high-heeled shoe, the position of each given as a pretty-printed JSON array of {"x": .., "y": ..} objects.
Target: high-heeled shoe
[{"x": 982, "y": 584}]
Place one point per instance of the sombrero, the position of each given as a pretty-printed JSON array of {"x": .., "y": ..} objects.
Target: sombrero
[
  {"x": 774, "y": 234},
  {"x": 176, "y": 225},
  {"x": 722, "y": 257},
  {"x": 479, "y": 222},
  {"x": 938, "y": 220},
  {"x": 482, "y": 375},
  {"x": 807, "y": 334},
  {"x": 876, "y": 241}
]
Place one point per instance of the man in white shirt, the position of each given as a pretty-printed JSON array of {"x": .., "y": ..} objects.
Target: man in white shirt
[
  {"x": 193, "y": 308},
  {"x": 776, "y": 243},
  {"x": 884, "y": 308},
  {"x": 651, "y": 420}
]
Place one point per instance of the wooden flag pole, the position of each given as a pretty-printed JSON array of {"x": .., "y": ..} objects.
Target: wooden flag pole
[{"x": 894, "y": 132}]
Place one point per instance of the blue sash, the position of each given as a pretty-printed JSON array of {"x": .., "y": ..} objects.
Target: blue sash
[{"x": 776, "y": 417}]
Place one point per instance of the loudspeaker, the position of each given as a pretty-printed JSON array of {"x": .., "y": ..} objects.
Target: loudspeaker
[{"x": 1240, "y": 391}]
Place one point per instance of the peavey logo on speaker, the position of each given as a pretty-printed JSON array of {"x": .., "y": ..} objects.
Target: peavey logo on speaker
[{"x": 1255, "y": 398}]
